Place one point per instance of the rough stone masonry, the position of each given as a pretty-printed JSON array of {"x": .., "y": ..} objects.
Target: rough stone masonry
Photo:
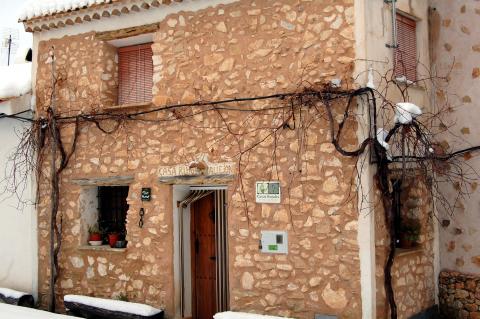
[
  {"x": 243, "y": 49},
  {"x": 247, "y": 48}
]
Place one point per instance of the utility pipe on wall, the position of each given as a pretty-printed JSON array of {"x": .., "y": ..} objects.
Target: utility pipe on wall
[{"x": 394, "y": 43}]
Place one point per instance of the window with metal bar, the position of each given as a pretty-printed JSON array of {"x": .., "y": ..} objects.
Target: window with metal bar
[
  {"x": 135, "y": 74},
  {"x": 405, "y": 55},
  {"x": 112, "y": 208}
]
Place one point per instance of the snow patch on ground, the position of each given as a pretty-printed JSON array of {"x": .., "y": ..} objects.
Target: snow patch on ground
[
  {"x": 17, "y": 312},
  {"x": 40, "y": 8},
  {"x": 114, "y": 305},
  {"x": 10, "y": 293},
  {"x": 242, "y": 315}
]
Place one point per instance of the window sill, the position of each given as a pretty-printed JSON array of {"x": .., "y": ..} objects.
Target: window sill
[
  {"x": 127, "y": 106},
  {"x": 102, "y": 248},
  {"x": 408, "y": 251},
  {"x": 415, "y": 86}
]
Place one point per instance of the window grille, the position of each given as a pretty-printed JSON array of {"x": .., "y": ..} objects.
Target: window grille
[{"x": 112, "y": 208}]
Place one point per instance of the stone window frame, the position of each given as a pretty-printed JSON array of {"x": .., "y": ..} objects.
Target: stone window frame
[
  {"x": 133, "y": 90},
  {"x": 88, "y": 201},
  {"x": 129, "y": 37}
]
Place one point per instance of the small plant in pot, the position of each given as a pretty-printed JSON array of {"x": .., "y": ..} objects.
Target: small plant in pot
[
  {"x": 121, "y": 242},
  {"x": 409, "y": 232},
  {"x": 94, "y": 235},
  {"x": 113, "y": 238}
]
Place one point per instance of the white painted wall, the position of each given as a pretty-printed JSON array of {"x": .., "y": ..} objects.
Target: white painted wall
[
  {"x": 88, "y": 203},
  {"x": 366, "y": 227},
  {"x": 373, "y": 27},
  {"x": 18, "y": 223}
]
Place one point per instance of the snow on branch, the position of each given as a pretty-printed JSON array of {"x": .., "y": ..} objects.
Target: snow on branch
[{"x": 405, "y": 112}]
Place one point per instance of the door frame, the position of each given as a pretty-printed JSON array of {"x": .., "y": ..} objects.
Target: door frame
[{"x": 184, "y": 199}]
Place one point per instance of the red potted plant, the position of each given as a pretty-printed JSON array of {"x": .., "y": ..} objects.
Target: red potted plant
[
  {"x": 112, "y": 239},
  {"x": 94, "y": 233}
]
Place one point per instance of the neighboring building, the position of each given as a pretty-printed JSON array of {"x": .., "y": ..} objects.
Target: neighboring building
[
  {"x": 146, "y": 53},
  {"x": 414, "y": 270},
  {"x": 18, "y": 229},
  {"x": 456, "y": 54}
]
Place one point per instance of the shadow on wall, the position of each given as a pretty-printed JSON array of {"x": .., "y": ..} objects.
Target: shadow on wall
[{"x": 430, "y": 313}]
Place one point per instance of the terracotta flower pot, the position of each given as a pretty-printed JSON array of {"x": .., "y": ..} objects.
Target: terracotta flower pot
[
  {"x": 112, "y": 239},
  {"x": 95, "y": 237}
]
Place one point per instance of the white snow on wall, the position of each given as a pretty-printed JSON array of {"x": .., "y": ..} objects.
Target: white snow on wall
[
  {"x": 18, "y": 228},
  {"x": 21, "y": 55},
  {"x": 16, "y": 312},
  {"x": 40, "y": 8},
  {"x": 15, "y": 80},
  {"x": 381, "y": 136},
  {"x": 114, "y": 305},
  {"x": 10, "y": 293}
]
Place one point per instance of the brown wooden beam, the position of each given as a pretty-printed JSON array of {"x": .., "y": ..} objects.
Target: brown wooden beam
[{"x": 127, "y": 32}]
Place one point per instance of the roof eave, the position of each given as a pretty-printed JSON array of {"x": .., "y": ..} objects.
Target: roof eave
[{"x": 90, "y": 13}]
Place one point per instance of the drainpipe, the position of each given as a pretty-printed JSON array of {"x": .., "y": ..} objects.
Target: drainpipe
[{"x": 394, "y": 43}]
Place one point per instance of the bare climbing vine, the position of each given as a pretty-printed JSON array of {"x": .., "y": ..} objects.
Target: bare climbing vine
[{"x": 43, "y": 149}]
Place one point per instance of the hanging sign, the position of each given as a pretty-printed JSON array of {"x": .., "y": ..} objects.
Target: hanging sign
[
  {"x": 201, "y": 166},
  {"x": 267, "y": 192}
]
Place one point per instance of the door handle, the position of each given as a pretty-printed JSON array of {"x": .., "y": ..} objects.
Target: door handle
[
  {"x": 197, "y": 245},
  {"x": 213, "y": 258}
]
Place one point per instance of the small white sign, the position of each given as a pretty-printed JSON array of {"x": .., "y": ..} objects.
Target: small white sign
[
  {"x": 267, "y": 192},
  {"x": 274, "y": 242}
]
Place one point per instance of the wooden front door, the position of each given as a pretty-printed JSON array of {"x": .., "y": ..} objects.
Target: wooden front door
[{"x": 203, "y": 258}]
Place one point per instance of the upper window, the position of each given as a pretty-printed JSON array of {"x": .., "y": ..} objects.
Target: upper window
[
  {"x": 406, "y": 53},
  {"x": 135, "y": 74}
]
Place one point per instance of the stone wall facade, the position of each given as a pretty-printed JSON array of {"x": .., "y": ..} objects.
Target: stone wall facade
[
  {"x": 459, "y": 295},
  {"x": 412, "y": 271},
  {"x": 242, "y": 49}
]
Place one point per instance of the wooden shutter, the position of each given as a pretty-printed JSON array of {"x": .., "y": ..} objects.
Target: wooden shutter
[
  {"x": 406, "y": 53},
  {"x": 135, "y": 74}
]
